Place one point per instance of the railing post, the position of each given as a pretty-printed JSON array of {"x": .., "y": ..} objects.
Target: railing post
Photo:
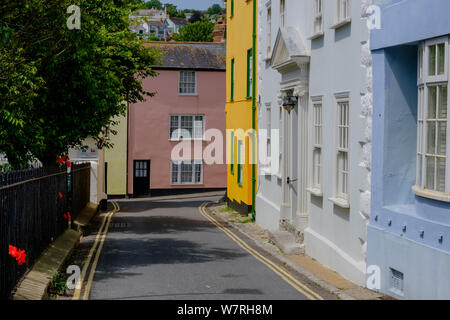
[{"x": 69, "y": 192}]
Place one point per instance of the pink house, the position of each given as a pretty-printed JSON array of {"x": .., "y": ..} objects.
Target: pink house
[{"x": 189, "y": 101}]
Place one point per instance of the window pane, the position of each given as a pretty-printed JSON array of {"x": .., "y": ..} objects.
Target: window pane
[
  {"x": 432, "y": 99},
  {"x": 440, "y": 183},
  {"x": 431, "y": 138},
  {"x": 430, "y": 165},
  {"x": 174, "y": 172},
  {"x": 186, "y": 172},
  {"x": 198, "y": 127},
  {"x": 198, "y": 173},
  {"x": 186, "y": 126},
  {"x": 432, "y": 61},
  {"x": 419, "y": 171},
  {"x": 441, "y": 58},
  {"x": 442, "y": 138},
  {"x": 443, "y": 102},
  {"x": 317, "y": 168}
]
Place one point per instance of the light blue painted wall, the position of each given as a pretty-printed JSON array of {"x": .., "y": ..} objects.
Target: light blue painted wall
[
  {"x": 398, "y": 216},
  {"x": 405, "y": 21}
]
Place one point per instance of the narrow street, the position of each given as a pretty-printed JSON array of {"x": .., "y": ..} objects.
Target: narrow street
[{"x": 169, "y": 250}]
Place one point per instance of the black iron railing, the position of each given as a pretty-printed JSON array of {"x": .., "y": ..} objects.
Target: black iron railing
[{"x": 32, "y": 207}]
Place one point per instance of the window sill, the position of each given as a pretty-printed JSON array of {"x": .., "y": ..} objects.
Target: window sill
[
  {"x": 341, "y": 23},
  {"x": 316, "y": 36},
  {"x": 315, "y": 192},
  {"x": 179, "y": 140},
  {"x": 188, "y": 94},
  {"x": 187, "y": 184},
  {"x": 340, "y": 202},
  {"x": 435, "y": 195}
]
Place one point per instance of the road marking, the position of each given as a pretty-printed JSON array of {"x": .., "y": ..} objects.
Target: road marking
[
  {"x": 100, "y": 234},
  {"x": 283, "y": 273}
]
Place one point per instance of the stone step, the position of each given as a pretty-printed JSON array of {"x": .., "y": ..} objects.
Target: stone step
[{"x": 285, "y": 241}]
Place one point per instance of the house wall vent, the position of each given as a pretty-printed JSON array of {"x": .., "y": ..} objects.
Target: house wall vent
[{"x": 396, "y": 282}]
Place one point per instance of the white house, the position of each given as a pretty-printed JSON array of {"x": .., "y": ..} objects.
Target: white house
[
  {"x": 314, "y": 59},
  {"x": 283, "y": 71}
]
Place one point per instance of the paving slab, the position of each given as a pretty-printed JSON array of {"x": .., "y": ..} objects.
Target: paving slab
[
  {"x": 85, "y": 216},
  {"x": 35, "y": 283}
]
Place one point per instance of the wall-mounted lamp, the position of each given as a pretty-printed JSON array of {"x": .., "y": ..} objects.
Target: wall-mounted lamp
[{"x": 289, "y": 103}]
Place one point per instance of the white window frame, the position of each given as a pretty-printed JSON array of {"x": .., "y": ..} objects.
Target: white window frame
[
  {"x": 178, "y": 131},
  {"x": 318, "y": 15},
  {"x": 194, "y": 164},
  {"x": 180, "y": 83},
  {"x": 269, "y": 132},
  {"x": 425, "y": 83},
  {"x": 341, "y": 14},
  {"x": 342, "y": 185},
  {"x": 317, "y": 147},
  {"x": 280, "y": 142},
  {"x": 282, "y": 13},
  {"x": 269, "y": 31}
]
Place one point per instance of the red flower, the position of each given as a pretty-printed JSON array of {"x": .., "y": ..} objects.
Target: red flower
[
  {"x": 67, "y": 216},
  {"x": 60, "y": 195},
  {"x": 18, "y": 254},
  {"x": 68, "y": 164},
  {"x": 21, "y": 257},
  {"x": 12, "y": 251}
]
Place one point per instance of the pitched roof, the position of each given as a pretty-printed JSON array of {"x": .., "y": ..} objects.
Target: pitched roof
[
  {"x": 192, "y": 55},
  {"x": 179, "y": 21},
  {"x": 158, "y": 24}
]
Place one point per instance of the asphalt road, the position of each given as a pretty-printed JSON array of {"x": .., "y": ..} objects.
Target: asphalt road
[{"x": 168, "y": 250}]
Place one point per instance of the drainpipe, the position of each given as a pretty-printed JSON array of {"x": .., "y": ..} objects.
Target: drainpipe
[{"x": 254, "y": 110}]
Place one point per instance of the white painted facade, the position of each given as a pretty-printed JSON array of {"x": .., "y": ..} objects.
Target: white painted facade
[
  {"x": 328, "y": 69},
  {"x": 283, "y": 70}
]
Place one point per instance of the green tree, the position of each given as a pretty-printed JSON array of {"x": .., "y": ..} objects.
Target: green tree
[
  {"x": 173, "y": 11},
  {"x": 59, "y": 86},
  {"x": 153, "y": 4},
  {"x": 215, "y": 9},
  {"x": 200, "y": 31},
  {"x": 196, "y": 16}
]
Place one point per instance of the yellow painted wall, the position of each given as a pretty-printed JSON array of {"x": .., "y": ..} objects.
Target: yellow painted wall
[
  {"x": 239, "y": 111},
  {"x": 116, "y": 157}
]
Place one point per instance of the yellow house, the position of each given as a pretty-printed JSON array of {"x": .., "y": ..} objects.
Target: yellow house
[
  {"x": 241, "y": 104},
  {"x": 116, "y": 160}
]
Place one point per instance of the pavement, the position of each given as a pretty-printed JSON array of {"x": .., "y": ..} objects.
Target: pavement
[
  {"x": 169, "y": 249},
  {"x": 301, "y": 263}
]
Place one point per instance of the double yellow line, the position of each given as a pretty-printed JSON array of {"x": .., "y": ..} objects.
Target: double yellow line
[
  {"x": 285, "y": 275},
  {"x": 99, "y": 240}
]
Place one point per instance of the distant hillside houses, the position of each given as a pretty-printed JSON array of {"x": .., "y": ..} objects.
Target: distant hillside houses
[{"x": 157, "y": 23}]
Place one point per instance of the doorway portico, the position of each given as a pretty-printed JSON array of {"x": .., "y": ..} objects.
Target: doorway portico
[{"x": 291, "y": 59}]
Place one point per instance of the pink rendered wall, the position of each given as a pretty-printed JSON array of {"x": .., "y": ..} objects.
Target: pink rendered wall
[{"x": 149, "y": 126}]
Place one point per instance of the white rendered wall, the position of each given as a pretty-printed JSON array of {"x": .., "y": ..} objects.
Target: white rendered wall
[
  {"x": 341, "y": 62},
  {"x": 269, "y": 189}
]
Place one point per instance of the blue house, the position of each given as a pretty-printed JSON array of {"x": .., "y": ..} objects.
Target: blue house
[{"x": 409, "y": 229}]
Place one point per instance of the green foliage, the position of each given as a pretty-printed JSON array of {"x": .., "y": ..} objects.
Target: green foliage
[
  {"x": 173, "y": 11},
  {"x": 58, "y": 284},
  {"x": 196, "y": 16},
  {"x": 200, "y": 31},
  {"x": 154, "y": 38},
  {"x": 152, "y": 4},
  {"x": 215, "y": 9},
  {"x": 60, "y": 86},
  {"x": 5, "y": 168}
]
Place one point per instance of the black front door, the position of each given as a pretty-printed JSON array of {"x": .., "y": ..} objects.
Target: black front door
[{"x": 141, "y": 180}]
